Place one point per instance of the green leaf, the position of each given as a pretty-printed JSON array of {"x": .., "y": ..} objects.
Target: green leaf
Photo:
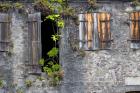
[
  {"x": 48, "y": 71},
  {"x": 41, "y": 61},
  {"x": 55, "y": 37},
  {"x": 53, "y": 17},
  {"x": 56, "y": 78},
  {"x": 53, "y": 52},
  {"x": 50, "y": 63},
  {"x": 60, "y": 23},
  {"x": 56, "y": 67}
]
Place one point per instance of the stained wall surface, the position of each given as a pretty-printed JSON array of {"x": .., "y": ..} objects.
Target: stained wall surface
[{"x": 104, "y": 71}]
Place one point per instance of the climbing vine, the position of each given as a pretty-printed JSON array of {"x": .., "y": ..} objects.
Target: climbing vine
[{"x": 52, "y": 66}]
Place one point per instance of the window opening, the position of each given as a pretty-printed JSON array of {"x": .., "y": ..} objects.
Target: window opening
[{"x": 48, "y": 28}]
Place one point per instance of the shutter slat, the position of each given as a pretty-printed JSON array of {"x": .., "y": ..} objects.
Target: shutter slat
[
  {"x": 139, "y": 26},
  {"x": 89, "y": 19},
  {"x": 82, "y": 30},
  {"x": 103, "y": 27},
  {"x": 136, "y": 27},
  {"x": 5, "y": 20},
  {"x": 95, "y": 33},
  {"x": 99, "y": 29},
  {"x": 34, "y": 30},
  {"x": 132, "y": 26}
]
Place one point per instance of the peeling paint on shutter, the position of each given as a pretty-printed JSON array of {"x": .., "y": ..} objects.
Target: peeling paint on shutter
[
  {"x": 105, "y": 33},
  {"x": 94, "y": 28},
  {"x": 5, "y": 20},
  {"x": 89, "y": 18},
  {"x": 96, "y": 33},
  {"x": 34, "y": 32},
  {"x": 135, "y": 30}
]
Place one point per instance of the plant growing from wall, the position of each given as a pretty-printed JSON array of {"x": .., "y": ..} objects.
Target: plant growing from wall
[
  {"x": 18, "y": 5},
  {"x": 41, "y": 78},
  {"x": 28, "y": 83},
  {"x": 56, "y": 10},
  {"x": 19, "y": 90},
  {"x": 4, "y": 7},
  {"x": 53, "y": 69},
  {"x": 49, "y": 7},
  {"x": 92, "y": 4},
  {"x": 1, "y": 84},
  {"x": 135, "y": 3}
]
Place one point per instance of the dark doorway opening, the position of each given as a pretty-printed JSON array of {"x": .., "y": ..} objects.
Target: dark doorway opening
[
  {"x": 133, "y": 92},
  {"x": 48, "y": 28}
]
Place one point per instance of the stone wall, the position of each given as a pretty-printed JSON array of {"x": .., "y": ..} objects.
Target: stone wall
[
  {"x": 103, "y": 71},
  {"x": 14, "y": 71}
]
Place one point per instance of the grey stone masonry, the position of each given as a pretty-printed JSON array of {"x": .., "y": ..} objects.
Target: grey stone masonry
[{"x": 102, "y": 71}]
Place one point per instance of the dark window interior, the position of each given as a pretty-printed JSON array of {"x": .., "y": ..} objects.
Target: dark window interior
[{"x": 48, "y": 28}]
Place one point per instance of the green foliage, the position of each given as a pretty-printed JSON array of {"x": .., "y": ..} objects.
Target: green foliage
[
  {"x": 53, "y": 52},
  {"x": 68, "y": 12},
  {"x": 4, "y": 7},
  {"x": 18, "y": 5},
  {"x": 60, "y": 24},
  {"x": 1, "y": 84},
  {"x": 56, "y": 18},
  {"x": 55, "y": 37},
  {"x": 55, "y": 73},
  {"x": 53, "y": 17},
  {"x": 41, "y": 78},
  {"x": 41, "y": 62},
  {"x": 135, "y": 2},
  {"x": 53, "y": 69},
  {"x": 28, "y": 83},
  {"x": 19, "y": 90}
]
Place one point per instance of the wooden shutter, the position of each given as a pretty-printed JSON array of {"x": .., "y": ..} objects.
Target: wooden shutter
[
  {"x": 34, "y": 38},
  {"x": 94, "y": 29},
  {"x": 5, "y": 20},
  {"x": 135, "y": 29},
  {"x": 82, "y": 29},
  {"x": 104, "y": 30}
]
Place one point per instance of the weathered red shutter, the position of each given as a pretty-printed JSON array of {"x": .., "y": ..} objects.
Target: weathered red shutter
[
  {"x": 34, "y": 38},
  {"x": 5, "y": 20}
]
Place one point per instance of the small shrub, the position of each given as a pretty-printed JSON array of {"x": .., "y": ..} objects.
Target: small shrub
[
  {"x": 54, "y": 72},
  {"x": 41, "y": 78},
  {"x": 135, "y": 3},
  {"x": 18, "y": 5},
  {"x": 19, "y": 90},
  {"x": 53, "y": 52},
  {"x": 1, "y": 84},
  {"x": 4, "y": 7},
  {"x": 28, "y": 83}
]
